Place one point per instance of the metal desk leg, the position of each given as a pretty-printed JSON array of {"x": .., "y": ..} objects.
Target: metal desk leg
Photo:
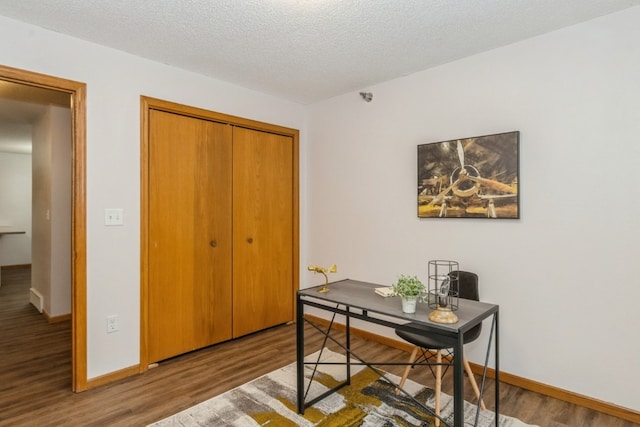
[
  {"x": 497, "y": 360},
  {"x": 348, "y": 342},
  {"x": 300, "y": 353},
  {"x": 458, "y": 382}
]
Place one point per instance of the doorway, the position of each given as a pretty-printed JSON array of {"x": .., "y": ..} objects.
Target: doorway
[{"x": 77, "y": 93}]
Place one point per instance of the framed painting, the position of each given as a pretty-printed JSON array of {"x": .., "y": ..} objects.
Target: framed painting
[{"x": 470, "y": 178}]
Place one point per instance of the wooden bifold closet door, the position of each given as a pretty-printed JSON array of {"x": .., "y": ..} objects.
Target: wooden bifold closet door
[
  {"x": 222, "y": 215},
  {"x": 189, "y": 234},
  {"x": 262, "y": 230}
]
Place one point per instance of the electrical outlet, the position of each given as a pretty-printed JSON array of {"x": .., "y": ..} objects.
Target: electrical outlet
[{"x": 112, "y": 323}]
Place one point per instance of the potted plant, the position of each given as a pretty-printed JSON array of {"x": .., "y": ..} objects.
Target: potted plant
[{"x": 411, "y": 290}]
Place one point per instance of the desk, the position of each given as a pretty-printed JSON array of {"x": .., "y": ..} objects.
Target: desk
[
  {"x": 4, "y": 230},
  {"x": 357, "y": 300},
  {"x": 8, "y": 229}
]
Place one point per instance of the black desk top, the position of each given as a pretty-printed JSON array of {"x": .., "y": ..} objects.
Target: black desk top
[{"x": 359, "y": 295}]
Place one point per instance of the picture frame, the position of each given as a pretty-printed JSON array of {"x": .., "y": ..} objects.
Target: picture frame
[{"x": 477, "y": 177}]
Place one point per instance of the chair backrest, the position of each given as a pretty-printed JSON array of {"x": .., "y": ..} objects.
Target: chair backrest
[
  {"x": 468, "y": 289},
  {"x": 467, "y": 284}
]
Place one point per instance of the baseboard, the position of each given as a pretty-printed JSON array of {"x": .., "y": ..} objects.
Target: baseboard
[
  {"x": 57, "y": 319},
  {"x": 36, "y": 299},
  {"x": 112, "y": 377},
  {"x": 505, "y": 377},
  {"x": 565, "y": 395}
]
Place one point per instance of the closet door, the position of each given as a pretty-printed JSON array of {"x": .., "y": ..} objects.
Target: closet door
[
  {"x": 263, "y": 285},
  {"x": 189, "y": 247}
]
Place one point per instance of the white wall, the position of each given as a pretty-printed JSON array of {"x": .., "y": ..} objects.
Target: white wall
[
  {"x": 51, "y": 203},
  {"x": 41, "y": 204},
  {"x": 115, "y": 81},
  {"x": 15, "y": 207},
  {"x": 61, "y": 200},
  {"x": 565, "y": 273}
]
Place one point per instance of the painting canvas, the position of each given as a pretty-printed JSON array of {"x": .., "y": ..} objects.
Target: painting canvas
[{"x": 470, "y": 178}]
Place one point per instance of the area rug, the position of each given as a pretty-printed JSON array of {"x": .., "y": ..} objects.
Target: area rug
[{"x": 369, "y": 401}]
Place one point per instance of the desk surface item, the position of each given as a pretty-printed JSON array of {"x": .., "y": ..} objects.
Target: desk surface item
[
  {"x": 9, "y": 229},
  {"x": 386, "y": 291}
]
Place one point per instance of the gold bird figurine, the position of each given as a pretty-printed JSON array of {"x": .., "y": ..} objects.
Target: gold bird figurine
[{"x": 323, "y": 271}]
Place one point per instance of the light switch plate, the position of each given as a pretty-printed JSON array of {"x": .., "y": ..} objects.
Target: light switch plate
[{"x": 113, "y": 216}]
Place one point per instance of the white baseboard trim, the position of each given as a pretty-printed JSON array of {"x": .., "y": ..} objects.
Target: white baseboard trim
[{"x": 36, "y": 299}]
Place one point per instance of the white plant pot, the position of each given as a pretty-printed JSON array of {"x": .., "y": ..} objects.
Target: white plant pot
[{"x": 409, "y": 304}]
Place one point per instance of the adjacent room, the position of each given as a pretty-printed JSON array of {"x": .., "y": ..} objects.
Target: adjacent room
[{"x": 179, "y": 180}]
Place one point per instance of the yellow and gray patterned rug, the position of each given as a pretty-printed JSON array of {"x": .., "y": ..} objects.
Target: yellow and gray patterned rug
[{"x": 369, "y": 401}]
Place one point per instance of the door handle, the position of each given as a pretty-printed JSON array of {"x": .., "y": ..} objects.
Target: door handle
[
  {"x": 249, "y": 239},
  {"x": 213, "y": 243}
]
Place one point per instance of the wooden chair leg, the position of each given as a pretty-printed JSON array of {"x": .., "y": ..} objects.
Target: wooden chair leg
[
  {"x": 438, "y": 384},
  {"x": 438, "y": 378},
  {"x": 472, "y": 380},
  {"x": 412, "y": 359}
]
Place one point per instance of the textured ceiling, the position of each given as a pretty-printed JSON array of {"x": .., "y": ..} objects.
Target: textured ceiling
[{"x": 306, "y": 50}]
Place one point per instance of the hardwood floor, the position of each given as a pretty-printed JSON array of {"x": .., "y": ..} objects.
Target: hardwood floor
[{"x": 35, "y": 376}]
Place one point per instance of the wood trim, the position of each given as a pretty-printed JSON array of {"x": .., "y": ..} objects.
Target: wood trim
[
  {"x": 57, "y": 319},
  {"x": 505, "y": 377},
  {"x": 145, "y": 105},
  {"x": 148, "y": 103},
  {"x": 113, "y": 376},
  {"x": 295, "y": 205},
  {"x": 79, "y": 240},
  {"x": 77, "y": 90},
  {"x": 561, "y": 394},
  {"x": 173, "y": 107}
]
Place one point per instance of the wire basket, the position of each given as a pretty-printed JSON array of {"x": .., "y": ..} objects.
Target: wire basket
[{"x": 443, "y": 290}]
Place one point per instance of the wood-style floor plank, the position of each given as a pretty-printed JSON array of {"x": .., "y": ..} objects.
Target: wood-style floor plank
[{"x": 35, "y": 376}]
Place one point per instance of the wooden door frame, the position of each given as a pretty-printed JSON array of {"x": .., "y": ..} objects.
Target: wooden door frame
[
  {"x": 148, "y": 103},
  {"x": 78, "y": 91}
]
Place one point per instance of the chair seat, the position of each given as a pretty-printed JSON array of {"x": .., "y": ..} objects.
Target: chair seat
[{"x": 434, "y": 342}]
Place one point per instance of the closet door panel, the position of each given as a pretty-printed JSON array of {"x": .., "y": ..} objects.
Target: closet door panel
[
  {"x": 213, "y": 240},
  {"x": 189, "y": 234},
  {"x": 262, "y": 230}
]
